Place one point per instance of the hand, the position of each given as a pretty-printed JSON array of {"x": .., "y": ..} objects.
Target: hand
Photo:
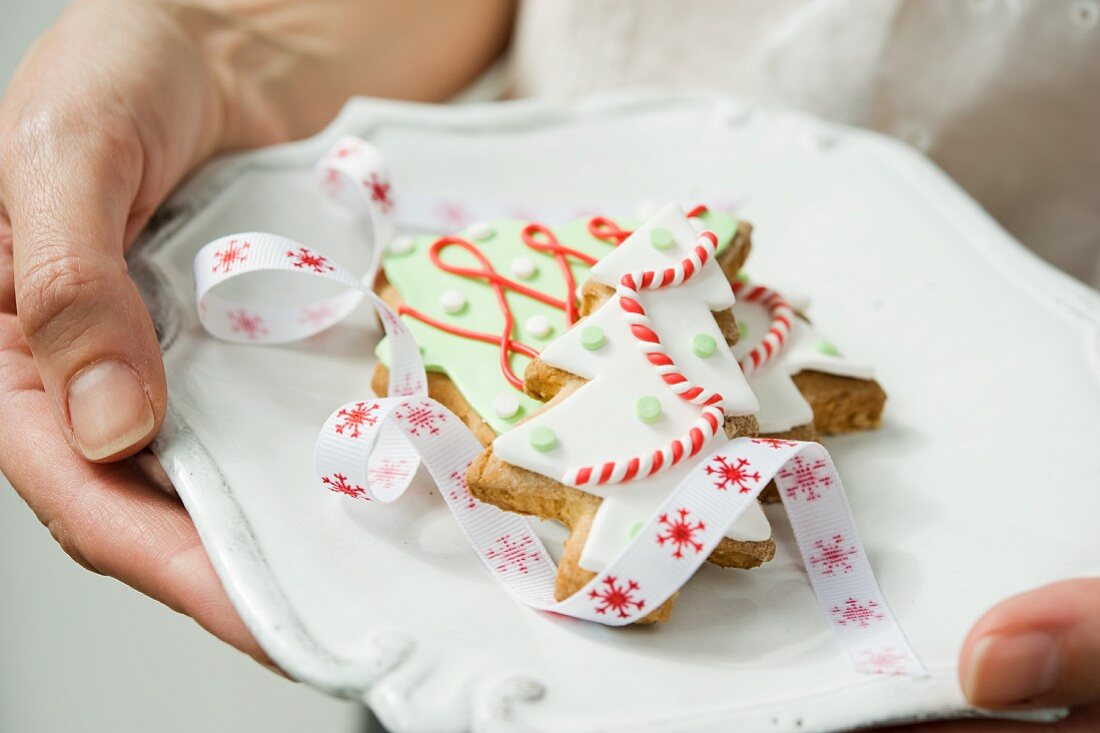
[
  {"x": 106, "y": 114},
  {"x": 91, "y": 142},
  {"x": 1038, "y": 649}
]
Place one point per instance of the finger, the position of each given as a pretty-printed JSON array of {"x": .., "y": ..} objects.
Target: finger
[
  {"x": 69, "y": 191},
  {"x": 107, "y": 517},
  {"x": 1041, "y": 648}
]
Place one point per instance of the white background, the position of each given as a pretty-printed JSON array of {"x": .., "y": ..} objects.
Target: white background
[{"x": 79, "y": 652}]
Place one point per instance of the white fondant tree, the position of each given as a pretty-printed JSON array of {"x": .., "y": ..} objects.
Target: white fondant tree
[{"x": 625, "y": 408}]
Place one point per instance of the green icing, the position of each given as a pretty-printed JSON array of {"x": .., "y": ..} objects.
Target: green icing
[
  {"x": 828, "y": 348},
  {"x": 542, "y": 438},
  {"x": 649, "y": 409},
  {"x": 592, "y": 338},
  {"x": 661, "y": 238},
  {"x": 704, "y": 345},
  {"x": 474, "y": 365}
]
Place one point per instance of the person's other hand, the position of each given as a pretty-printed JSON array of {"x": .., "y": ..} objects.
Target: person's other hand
[
  {"x": 106, "y": 114},
  {"x": 1040, "y": 649},
  {"x": 1037, "y": 649}
]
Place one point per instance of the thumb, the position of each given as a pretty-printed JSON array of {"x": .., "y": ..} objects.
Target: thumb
[
  {"x": 1041, "y": 648},
  {"x": 69, "y": 198}
]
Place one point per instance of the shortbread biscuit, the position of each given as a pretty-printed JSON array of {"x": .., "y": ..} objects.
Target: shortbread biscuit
[{"x": 605, "y": 397}]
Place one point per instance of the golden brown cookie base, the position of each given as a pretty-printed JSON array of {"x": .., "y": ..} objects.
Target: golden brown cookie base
[
  {"x": 841, "y": 404},
  {"x": 516, "y": 489},
  {"x": 733, "y": 257}
]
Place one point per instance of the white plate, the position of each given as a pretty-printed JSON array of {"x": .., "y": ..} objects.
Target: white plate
[{"x": 979, "y": 485}]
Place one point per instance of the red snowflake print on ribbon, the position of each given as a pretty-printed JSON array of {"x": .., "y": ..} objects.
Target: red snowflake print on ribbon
[
  {"x": 388, "y": 474},
  {"x": 345, "y": 151},
  {"x": 774, "y": 443},
  {"x": 234, "y": 253},
  {"x": 805, "y": 478},
  {"x": 379, "y": 189},
  {"x": 306, "y": 259},
  {"x": 857, "y": 613},
  {"x": 679, "y": 533},
  {"x": 833, "y": 555},
  {"x": 728, "y": 474},
  {"x": 394, "y": 323},
  {"x": 616, "y": 597},
  {"x": 421, "y": 418},
  {"x": 352, "y": 420},
  {"x": 883, "y": 660},
  {"x": 338, "y": 482},
  {"x": 460, "y": 494},
  {"x": 250, "y": 324},
  {"x": 316, "y": 316},
  {"x": 453, "y": 213},
  {"x": 519, "y": 212},
  {"x": 513, "y": 554},
  {"x": 331, "y": 182},
  {"x": 408, "y": 386}
]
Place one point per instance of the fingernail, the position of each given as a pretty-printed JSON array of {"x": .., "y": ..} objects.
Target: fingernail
[
  {"x": 1011, "y": 669},
  {"x": 109, "y": 409}
]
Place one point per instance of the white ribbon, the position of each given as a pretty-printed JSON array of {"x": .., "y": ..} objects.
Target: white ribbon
[{"x": 370, "y": 450}]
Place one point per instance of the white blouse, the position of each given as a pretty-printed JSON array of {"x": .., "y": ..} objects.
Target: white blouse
[{"x": 1003, "y": 94}]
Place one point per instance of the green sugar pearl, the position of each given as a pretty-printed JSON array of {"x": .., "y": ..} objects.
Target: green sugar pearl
[
  {"x": 827, "y": 348},
  {"x": 661, "y": 238},
  {"x": 649, "y": 409},
  {"x": 592, "y": 337},
  {"x": 704, "y": 345},
  {"x": 542, "y": 438}
]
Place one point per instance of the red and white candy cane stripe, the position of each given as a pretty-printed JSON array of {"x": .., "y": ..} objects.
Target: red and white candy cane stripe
[
  {"x": 709, "y": 423},
  {"x": 647, "y": 464},
  {"x": 782, "y": 315}
]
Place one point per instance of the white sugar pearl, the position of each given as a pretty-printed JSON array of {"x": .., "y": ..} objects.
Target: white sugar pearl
[
  {"x": 538, "y": 326},
  {"x": 480, "y": 230},
  {"x": 400, "y": 245},
  {"x": 523, "y": 267},
  {"x": 452, "y": 301},
  {"x": 505, "y": 405}
]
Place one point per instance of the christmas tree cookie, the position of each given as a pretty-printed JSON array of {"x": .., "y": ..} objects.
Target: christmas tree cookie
[
  {"x": 638, "y": 392},
  {"x": 483, "y": 304}
]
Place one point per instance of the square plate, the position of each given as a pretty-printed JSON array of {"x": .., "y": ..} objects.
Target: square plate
[{"x": 977, "y": 486}]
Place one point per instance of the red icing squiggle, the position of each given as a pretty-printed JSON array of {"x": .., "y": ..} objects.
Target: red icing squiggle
[
  {"x": 561, "y": 255},
  {"x": 606, "y": 229},
  {"x": 497, "y": 282},
  {"x": 603, "y": 228}
]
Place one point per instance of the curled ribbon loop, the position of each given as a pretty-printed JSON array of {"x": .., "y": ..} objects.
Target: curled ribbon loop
[{"x": 370, "y": 449}]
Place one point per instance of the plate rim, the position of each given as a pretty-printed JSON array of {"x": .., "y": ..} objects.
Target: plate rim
[{"x": 224, "y": 527}]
